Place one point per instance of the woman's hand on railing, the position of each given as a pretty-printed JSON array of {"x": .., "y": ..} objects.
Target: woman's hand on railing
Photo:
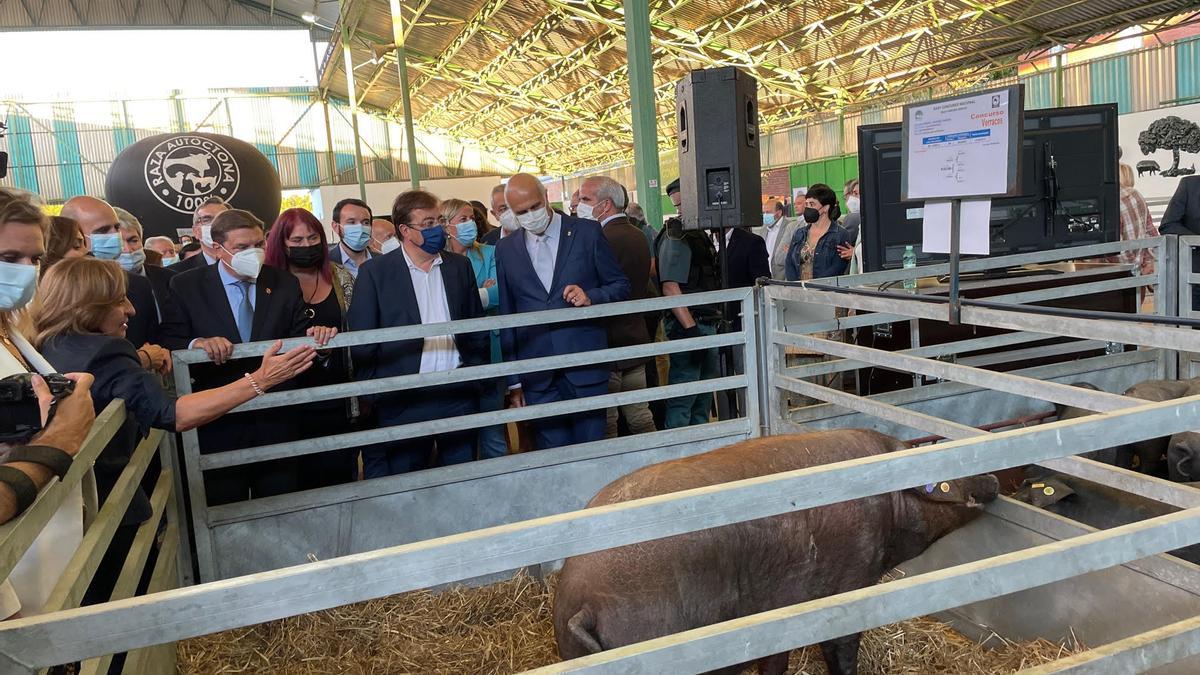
[
  {"x": 322, "y": 334},
  {"x": 278, "y": 368}
]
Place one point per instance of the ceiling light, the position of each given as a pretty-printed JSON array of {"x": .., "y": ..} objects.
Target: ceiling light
[{"x": 309, "y": 17}]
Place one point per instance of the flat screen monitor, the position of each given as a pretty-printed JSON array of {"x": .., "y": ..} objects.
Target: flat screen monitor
[{"x": 1069, "y": 189}]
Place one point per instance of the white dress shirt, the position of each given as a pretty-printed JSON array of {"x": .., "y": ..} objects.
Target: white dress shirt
[
  {"x": 549, "y": 239},
  {"x": 438, "y": 353}
]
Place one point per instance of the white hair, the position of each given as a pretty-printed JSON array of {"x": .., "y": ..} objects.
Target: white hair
[
  {"x": 159, "y": 240},
  {"x": 128, "y": 221},
  {"x": 607, "y": 188}
]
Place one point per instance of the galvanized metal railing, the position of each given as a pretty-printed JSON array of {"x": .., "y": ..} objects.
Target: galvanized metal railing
[
  {"x": 205, "y": 518},
  {"x": 130, "y": 624},
  {"x": 17, "y": 535},
  {"x": 1189, "y": 280}
]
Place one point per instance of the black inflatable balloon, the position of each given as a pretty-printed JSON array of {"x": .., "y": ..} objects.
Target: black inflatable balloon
[{"x": 163, "y": 179}]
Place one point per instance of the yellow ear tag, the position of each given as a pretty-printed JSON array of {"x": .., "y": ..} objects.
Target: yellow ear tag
[
  {"x": 944, "y": 487},
  {"x": 1049, "y": 491},
  {"x": 1038, "y": 485}
]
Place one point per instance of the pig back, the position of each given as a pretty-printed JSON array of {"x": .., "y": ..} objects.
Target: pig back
[{"x": 641, "y": 591}]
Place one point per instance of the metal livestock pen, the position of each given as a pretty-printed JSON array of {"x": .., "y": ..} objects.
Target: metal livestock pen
[{"x": 479, "y": 520}]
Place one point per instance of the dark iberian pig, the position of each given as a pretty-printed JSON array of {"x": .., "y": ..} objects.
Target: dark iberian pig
[
  {"x": 625, "y": 595},
  {"x": 1148, "y": 456}
]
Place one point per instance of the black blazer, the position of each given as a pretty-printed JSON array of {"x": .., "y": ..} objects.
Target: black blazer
[
  {"x": 1183, "y": 217},
  {"x": 193, "y": 263},
  {"x": 747, "y": 258},
  {"x": 384, "y": 298},
  {"x": 160, "y": 285},
  {"x": 143, "y": 325},
  {"x": 203, "y": 311},
  {"x": 119, "y": 375},
  {"x": 747, "y": 255}
]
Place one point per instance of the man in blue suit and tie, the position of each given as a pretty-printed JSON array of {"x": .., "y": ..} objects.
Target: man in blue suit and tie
[{"x": 554, "y": 262}]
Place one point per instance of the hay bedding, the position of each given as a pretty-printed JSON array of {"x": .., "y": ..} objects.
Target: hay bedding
[{"x": 507, "y": 627}]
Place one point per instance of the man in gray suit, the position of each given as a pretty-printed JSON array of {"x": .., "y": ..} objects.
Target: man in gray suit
[{"x": 777, "y": 234}]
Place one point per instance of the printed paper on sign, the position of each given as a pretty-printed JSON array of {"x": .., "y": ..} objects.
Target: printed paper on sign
[
  {"x": 958, "y": 147},
  {"x": 974, "y": 227}
]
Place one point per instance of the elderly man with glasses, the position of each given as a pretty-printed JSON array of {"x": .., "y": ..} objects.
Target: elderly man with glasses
[{"x": 424, "y": 284}]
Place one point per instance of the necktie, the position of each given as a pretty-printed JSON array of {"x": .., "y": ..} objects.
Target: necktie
[
  {"x": 543, "y": 264},
  {"x": 245, "y": 313}
]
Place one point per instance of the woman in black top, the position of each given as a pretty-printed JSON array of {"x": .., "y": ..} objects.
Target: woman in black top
[
  {"x": 79, "y": 322},
  {"x": 297, "y": 244}
]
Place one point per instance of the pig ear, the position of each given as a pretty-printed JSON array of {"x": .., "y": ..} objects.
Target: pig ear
[
  {"x": 1183, "y": 457},
  {"x": 942, "y": 491},
  {"x": 1043, "y": 492}
]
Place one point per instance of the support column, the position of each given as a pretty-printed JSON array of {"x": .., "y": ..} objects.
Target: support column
[
  {"x": 358, "y": 160},
  {"x": 645, "y": 111},
  {"x": 1060, "y": 95},
  {"x": 410, "y": 143}
]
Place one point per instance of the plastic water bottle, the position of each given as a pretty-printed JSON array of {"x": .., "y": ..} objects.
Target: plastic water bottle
[{"x": 910, "y": 260}]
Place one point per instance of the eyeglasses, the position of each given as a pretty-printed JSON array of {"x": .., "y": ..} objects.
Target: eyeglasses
[{"x": 428, "y": 223}]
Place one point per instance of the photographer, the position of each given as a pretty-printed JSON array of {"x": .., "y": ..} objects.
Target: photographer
[{"x": 24, "y": 472}]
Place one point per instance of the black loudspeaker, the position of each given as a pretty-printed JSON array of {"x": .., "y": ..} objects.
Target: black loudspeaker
[
  {"x": 720, "y": 180},
  {"x": 3, "y": 164}
]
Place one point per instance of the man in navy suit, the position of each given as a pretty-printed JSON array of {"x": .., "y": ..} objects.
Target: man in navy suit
[
  {"x": 555, "y": 262},
  {"x": 1183, "y": 217},
  {"x": 352, "y": 220},
  {"x": 418, "y": 283}
]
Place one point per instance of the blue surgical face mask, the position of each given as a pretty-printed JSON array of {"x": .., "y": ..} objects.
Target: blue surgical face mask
[
  {"x": 17, "y": 283},
  {"x": 467, "y": 233},
  {"x": 356, "y": 236},
  {"x": 768, "y": 219},
  {"x": 106, "y": 246},
  {"x": 434, "y": 239},
  {"x": 133, "y": 262},
  {"x": 167, "y": 262}
]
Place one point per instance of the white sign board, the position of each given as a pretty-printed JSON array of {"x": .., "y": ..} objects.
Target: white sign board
[{"x": 966, "y": 146}]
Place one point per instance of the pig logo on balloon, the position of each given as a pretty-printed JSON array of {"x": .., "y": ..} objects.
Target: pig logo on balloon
[{"x": 183, "y": 171}]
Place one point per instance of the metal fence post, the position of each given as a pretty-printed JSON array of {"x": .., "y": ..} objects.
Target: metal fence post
[
  {"x": 750, "y": 324},
  {"x": 1166, "y": 298},
  {"x": 195, "y": 482}
]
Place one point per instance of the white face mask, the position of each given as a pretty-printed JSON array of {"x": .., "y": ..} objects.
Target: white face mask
[
  {"x": 852, "y": 204},
  {"x": 585, "y": 211},
  {"x": 508, "y": 222},
  {"x": 248, "y": 263},
  {"x": 206, "y": 235},
  {"x": 389, "y": 245},
  {"x": 536, "y": 221}
]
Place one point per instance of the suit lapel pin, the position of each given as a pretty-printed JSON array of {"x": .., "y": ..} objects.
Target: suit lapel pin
[{"x": 267, "y": 291}]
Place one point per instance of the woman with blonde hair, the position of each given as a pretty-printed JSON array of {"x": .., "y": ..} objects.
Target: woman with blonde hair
[
  {"x": 1136, "y": 223},
  {"x": 79, "y": 322},
  {"x": 462, "y": 237}
]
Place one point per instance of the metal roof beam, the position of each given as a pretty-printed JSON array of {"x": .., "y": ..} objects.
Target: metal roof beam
[
  {"x": 473, "y": 26},
  {"x": 383, "y": 63}
]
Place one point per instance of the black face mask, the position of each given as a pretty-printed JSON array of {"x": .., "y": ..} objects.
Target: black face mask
[
  {"x": 305, "y": 256},
  {"x": 811, "y": 215}
]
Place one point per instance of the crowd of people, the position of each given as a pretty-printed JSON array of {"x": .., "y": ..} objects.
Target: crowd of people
[{"x": 87, "y": 294}]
